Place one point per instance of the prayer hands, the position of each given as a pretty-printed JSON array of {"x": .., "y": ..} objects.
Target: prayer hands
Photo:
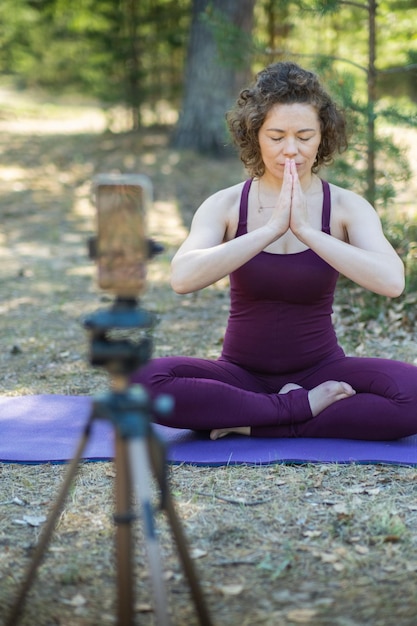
[
  {"x": 299, "y": 215},
  {"x": 290, "y": 212}
]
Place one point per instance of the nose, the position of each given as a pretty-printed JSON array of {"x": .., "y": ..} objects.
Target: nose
[{"x": 290, "y": 147}]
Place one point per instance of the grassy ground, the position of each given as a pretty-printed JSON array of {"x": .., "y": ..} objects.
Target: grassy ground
[{"x": 274, "y": 545}]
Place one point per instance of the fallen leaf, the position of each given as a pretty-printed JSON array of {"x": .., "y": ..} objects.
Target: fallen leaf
[
  {"x": 411, "y": 566},
  {"x": 329, "y": 558},
  {"x": 389, "y": 568},
  {"x": 168, "y": 575},
  {"x": 312, "y": 533},
  {"x": 143, "y": 607},
  {"x": 301, "y": 616},
  {"x": 319, "y": 482},
  {"x": 341, "y": 508},
  {"x": 34, "y": 520},
  {"x": 31, "y": 520},
  {"x": 198, "y": 554},
  {"x": 338, "y": 566},
  {"x": 77, "y": 600},
  {"x": 333, "y": 558},
  {"x": 18, "y": 501},
  {"x": 231, "y": 590},
  {"x": 392, "y": 538}
]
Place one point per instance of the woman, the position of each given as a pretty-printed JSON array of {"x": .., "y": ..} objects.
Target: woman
[{"x": 283, "y": 236}]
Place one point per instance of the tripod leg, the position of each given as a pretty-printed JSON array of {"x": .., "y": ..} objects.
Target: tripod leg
[
  {"x": 49, "y": 528},
  {"x": 179, "y": 536},
  {"x": 123, "y": 519},
  {"x": 187, "y": 564},
  {"x": 139, "y": 461}
]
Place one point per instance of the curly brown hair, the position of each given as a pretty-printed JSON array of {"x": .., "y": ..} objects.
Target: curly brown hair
[{"x": 284, "y": 83}]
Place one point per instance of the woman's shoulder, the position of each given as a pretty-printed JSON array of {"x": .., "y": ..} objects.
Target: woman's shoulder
[
  {"x": 351, "y": 211},
  {"x": 221, "y": 208},
  {"x": 227, "y": 195},
  {"x": 223, "y": 204},
  {"x": 347, "y": 199}
]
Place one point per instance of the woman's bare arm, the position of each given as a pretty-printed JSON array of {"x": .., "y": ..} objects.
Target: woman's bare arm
[
  {"x": 366, "y": 256},
  {"x": 211, "y": 250}
]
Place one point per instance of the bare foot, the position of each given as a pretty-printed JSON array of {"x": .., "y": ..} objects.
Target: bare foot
[
  {"x": 327, "y": 393},
  {"x": 319, "y": 397},
  {"x": 218, "y": 433}
]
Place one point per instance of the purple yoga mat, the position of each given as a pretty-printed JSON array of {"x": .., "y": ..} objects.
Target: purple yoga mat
[{"x": 47, "y": 428}]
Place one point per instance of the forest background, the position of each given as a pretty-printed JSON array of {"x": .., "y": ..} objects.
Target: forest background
[
  {"x": 181, "y": 63},
  {"x": 89, "y": 86},
  {"x": 164, "y": 57}
]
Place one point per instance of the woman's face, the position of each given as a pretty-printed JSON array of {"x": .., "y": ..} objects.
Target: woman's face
[{"x": 290, "y": 131}]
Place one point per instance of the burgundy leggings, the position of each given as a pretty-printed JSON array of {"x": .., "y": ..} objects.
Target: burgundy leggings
[{"x": 219, "y": 394}]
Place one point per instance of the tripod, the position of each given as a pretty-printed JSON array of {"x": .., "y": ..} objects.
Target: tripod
[{"x": 138, "y": 454}]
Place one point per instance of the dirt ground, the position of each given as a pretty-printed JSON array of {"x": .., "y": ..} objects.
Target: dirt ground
[{"x": 276, "y": 545}]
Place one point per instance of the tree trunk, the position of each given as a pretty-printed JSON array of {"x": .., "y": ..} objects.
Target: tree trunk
[
  {"x": 212, "y": 82},
  {"x": 371, "y": 191}
]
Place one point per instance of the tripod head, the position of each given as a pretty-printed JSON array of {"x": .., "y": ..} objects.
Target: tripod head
[{"x": 119, "y": 356}]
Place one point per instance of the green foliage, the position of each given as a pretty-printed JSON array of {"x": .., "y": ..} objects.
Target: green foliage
[
  {"x": 331, "y": 37},
  {"x": 232, "y": 44},
  {"x": 125, "y": 51},
  {"x": 350, "y": 170},
  {"x": 133, "y": 52},
  {"x": 18, "y": 34},
  {"x": 387, "y": 526}
]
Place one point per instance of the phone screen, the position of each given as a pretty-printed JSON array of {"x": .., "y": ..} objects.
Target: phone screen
[{"x": 122, "y": 246}]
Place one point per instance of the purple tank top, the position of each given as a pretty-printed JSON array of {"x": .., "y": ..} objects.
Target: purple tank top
[{"x": 281, "y": 306}]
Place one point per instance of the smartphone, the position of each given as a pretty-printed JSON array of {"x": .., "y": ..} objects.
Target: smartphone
[{"x": 121, "y": 247}]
